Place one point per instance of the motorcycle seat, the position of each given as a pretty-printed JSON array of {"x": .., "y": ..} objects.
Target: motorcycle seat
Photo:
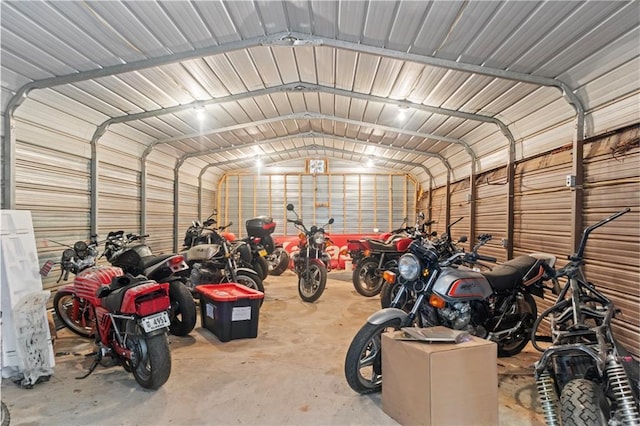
[
  {"x": 510, "y": 273},
  {"x": 147, "y": 261},
  {"x": 378, "y": 245}
]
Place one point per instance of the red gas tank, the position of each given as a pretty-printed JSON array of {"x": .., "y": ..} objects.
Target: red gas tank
[{"x": 90, "y": 280}]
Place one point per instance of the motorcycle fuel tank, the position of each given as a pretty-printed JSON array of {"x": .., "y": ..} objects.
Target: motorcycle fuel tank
[
  {"x": 460, "y": 285},
  {"x": 202, "y": 252}
]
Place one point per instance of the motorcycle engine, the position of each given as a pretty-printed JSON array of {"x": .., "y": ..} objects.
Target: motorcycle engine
[
  {"x": 467, "y": 316},
  {"x": 200, "y": 274}
]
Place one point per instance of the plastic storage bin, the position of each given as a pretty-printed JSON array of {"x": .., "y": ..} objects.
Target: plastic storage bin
[{"x": 230, "y": 311}]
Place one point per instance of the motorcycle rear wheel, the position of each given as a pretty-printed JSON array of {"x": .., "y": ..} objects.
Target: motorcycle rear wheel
[
  {"x": 583, "y": 403},
  {"x": 311, "y": 287},
  {"x": 280, "y": 261},
  {"x": 154, "y": 365},
  {"x": 363, "y": 363},
  {"x": 366, "y": 279},
  {"x": 527, "y": 312},
  {"x": 261, "y": 266},
  {"x": 183, "y": 309},
  {"x": 81, "y": 323}
]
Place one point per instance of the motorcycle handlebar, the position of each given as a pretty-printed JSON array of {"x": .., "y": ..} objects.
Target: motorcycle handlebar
[{"x": 486, "y": 258}]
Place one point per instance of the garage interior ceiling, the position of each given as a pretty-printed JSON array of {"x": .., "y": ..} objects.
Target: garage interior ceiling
[{"x": 438, "y": 90}]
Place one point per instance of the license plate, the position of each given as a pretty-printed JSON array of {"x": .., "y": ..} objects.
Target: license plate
[
  {"x": 155, "y": 322},
  {"x": 262, "y": 253}
]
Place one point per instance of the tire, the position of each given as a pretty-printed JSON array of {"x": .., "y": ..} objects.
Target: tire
[
  {"x": 583, "y": 403},
  {"x": 6, "y": 417},
  {"x": 261, "y": 266},
  {"x": 182, "y": 312},
  {"x": 366, "y": 279},
  {"x": 154, "y": 367},
  {"x": 388, "y": 293},
  {"x": 363, "y": 364},
  {"x": 312, "y": 288},
  {"x": 251, "y": 280},
  {"x": 525, "y": 309},
  {"x": 280, "y": 261},
  {"x": 83, "y": 321}
]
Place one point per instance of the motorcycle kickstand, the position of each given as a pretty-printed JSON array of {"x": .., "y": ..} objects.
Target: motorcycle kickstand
[{"x": 93, "y": 366}]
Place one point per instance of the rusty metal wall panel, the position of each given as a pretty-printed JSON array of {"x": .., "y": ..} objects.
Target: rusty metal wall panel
[
  {"x": 612, "y": 183},
  {"x": 460, "y": 208},
  {"x": 491, "y": 211},
  {"x": 439, "y": 209},
  {"x": 542, "y": 205}
]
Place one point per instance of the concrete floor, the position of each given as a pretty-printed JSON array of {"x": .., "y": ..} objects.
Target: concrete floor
[{"x": 291, "y": 374}]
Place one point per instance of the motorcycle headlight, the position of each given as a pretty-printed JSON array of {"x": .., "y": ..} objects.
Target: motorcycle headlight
[
  {"x": 409, "y": 267},
  {"x": 318, "y": 238}
]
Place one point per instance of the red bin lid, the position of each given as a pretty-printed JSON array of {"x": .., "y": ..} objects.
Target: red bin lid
[{"x": 229, "y": 292}]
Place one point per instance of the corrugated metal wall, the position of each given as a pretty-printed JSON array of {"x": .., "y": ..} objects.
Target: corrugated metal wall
[
  {"x": 439, "y": 209},
  {"x": 542, "y": 205},
  {"x": 613, "y": 252},
  {"x": 491, "y": 211},
  {"x": 460, "y": 208},
  {"x": 358, "y": 203}
]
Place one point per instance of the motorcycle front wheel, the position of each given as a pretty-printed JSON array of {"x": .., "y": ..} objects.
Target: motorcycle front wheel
[
  {"x": 251, "y": 280},
  {"x": 76, "y": 314},
  {"x": 278, "y": 262},
  {"x": 311, "y": 283},
  {"x": 183, "y": 309},
  {"x": 388, "y": 293},
  {"x": 366, "y": 279},
  {"x": 363, "y": 364},
  {"x": 153, "y": 360},
  {"x": 583, "y": 403}
]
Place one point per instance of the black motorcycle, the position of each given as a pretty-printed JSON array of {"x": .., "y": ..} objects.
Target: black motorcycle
[
  {"x": 311, "y": 262},
  {"x": 496, "y": 305},
  {"x": 272, "y": 258},
  {"x": 586, "y": 377},
  {"x": 136, "y": 258},
  {"x": 214, "y": 259}
]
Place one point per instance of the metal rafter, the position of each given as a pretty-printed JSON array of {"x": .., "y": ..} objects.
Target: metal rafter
[{"x": 283, "y": 38}]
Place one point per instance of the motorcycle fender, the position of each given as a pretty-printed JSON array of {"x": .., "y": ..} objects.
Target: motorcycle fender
[
  {"x": 160, "y": 301},
  {"x": 386, "y": 314},
  {"x": 246, "y": 270},
  {"x": 574, "y": 349}
]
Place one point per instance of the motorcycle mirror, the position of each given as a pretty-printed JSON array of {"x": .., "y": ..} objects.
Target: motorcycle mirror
[
  {"x": 330, "y": 221},
  {"x": 463, "y": 239},
  {"x": 290, "y": 207}
]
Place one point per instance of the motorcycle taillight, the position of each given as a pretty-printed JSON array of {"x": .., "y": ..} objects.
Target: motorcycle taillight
[{"x": 176, "y": 260}]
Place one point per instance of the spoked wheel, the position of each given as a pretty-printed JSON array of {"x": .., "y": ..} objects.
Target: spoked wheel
[
  {"x": 526, "y": 311},
  {"x": 152, "y": 364},
  {"x": 76, "y": 313},
  {"x": 363, "y": 364},
  {"x": 583, "y": 403},
  {"x": 311, "y": 283},
  {"x": 183, "y": 309},
  {"x": 251, "y": 280},
  {"x": 388, "y": 293},
  {"x": 278, "y": 261},
  {"x": 366, "y": 279}
]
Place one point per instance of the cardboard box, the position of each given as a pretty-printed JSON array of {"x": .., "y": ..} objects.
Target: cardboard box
[
  {"x": 230, "y": 311},
  {"x": 440, "y": 383}
]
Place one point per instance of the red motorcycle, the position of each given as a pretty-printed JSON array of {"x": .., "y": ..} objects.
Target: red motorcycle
[
  {"x": 126, "y": 314},
  {"x": 371, "y": 257}
]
